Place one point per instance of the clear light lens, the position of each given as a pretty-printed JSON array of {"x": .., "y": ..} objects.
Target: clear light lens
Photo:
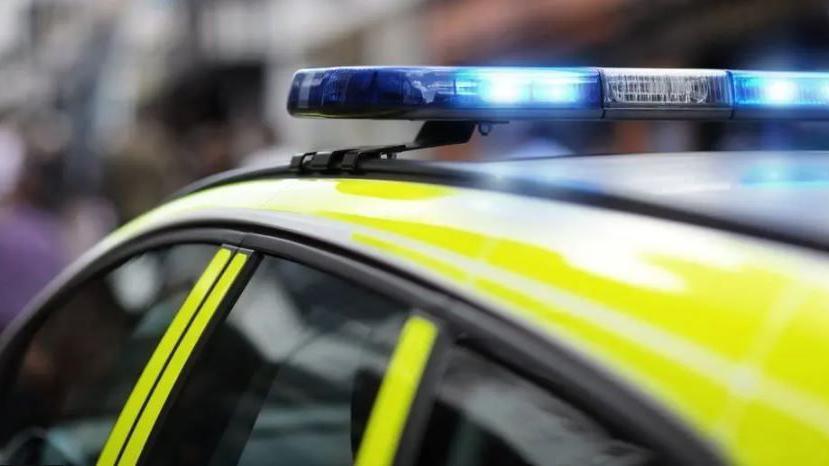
[
  {"x": 781, "y": 90},
  {"x": 660, "y": 89}
]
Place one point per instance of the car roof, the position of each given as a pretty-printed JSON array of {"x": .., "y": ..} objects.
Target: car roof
[
  {"x": 669, "y": 309},
  {"x": 786, "y": 192},
  {"x": 773, "y": 195}
]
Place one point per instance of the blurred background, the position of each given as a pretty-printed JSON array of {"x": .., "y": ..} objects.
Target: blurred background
[{"x": 108, "y": 106}]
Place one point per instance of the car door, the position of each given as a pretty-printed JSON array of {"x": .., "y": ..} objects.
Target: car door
[
  {"x": 307, "y": 366},
  {"x": 311, "y": 355},
  {"x": 154, "y": 354},
  {"x": 321, "y": 359},
  {"x": 71, "y": 366},
  {"x": 278, "y": 352}
]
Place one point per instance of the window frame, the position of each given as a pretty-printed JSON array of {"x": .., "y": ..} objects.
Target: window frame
[
  {"x": 76, "y": 277},
  {"x": 552, "y": 365},
  {"x": 572, "y": 378},
  {"x": 225, "y": 299},
  {"x": 458, "y": 316}
]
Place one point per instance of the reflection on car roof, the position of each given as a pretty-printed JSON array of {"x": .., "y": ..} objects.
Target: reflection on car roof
[{"x": 783, "y": 191}]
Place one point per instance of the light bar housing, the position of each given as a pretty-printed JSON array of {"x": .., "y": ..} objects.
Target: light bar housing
[{"x": 502, "y": 94}]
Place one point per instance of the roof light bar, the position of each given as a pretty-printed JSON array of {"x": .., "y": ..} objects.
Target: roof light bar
[
  {"x": 501, "y": 94},
  {"x": 446, "y": 93}
]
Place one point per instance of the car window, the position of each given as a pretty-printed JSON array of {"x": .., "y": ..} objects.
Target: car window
[
  {"x": 79, "y": 367},
  {"x": 487, "y": 415},
  {"x": 287, "y": 378}
]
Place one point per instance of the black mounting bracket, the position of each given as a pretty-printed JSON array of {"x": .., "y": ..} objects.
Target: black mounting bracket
[{"x": 431, "y": 134}]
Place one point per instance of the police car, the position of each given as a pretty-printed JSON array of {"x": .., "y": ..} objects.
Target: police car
[{"x": 357, "y": 308}]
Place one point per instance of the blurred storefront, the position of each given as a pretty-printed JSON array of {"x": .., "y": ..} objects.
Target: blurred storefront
[
  {"x": 133, "y": 99},
  {"x": 764, "y": 34}
]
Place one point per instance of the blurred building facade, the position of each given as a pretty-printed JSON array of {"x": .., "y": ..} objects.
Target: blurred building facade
[
  {"x": 761, "y": 34},
  {"x": 136, "y": 98}
]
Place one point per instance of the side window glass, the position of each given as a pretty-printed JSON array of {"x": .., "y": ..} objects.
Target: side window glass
[
  {"x": 287, "y": 378},
  {"x": 486, "y": 415},
  {"x": 79, "y": 367}
]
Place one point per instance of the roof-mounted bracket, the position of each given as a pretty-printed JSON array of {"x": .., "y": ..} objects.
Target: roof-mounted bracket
[{"x": 431, "y": 134}]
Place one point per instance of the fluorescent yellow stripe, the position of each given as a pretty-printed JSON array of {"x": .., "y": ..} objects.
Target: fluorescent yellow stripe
[
  {"x": 159, "y": 396},
  {"x": 394, "y": 400},
  {"x": 152, "y": 370}
]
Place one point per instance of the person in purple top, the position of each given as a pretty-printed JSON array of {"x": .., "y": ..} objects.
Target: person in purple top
[
  {"x": 31, "y": 244},
  {"x": 30, "y": 256}
]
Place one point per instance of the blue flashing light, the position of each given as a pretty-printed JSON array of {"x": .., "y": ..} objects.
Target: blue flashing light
[
  {"x": 786, "y": 176},
  {"x": 502, "y": 94},
  {"x": 446, "y": 93},
  {"x": 538, "y": 88},
  {"x": 771, "y": 92}
]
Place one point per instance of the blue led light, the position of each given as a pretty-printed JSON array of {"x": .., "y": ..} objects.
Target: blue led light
[
  {"x": 446, "y": 93},
  {"x": 783, "y": 175},
  {"x": 523, "y": 87},
  {"x": 775, "y": 90}
]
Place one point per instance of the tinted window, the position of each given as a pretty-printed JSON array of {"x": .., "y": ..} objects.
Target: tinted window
[
  {"x": 486, "y": 415},
  {"x": 289, "y": 376},
  {"x": 78, "y": 369}
]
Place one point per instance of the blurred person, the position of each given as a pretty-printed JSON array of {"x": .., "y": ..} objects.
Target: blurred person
[
  {"x": 211, "y": 150},
  {"x": 268, "y": 150},
  {"x": 11, "y": 160},
  {"x": 31, "y": 246},
  {"x": 84, "y": 215},
  {"x": 249, "y": 136},
  {"x": 143, "y": 172},
  {"x": 85, "y": 220}
]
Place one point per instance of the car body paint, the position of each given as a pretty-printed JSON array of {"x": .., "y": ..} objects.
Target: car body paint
[{"x": 711, "y": 325}]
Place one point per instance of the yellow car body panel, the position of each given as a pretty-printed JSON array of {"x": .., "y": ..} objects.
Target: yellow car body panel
[{"x": 727, "y": 332}]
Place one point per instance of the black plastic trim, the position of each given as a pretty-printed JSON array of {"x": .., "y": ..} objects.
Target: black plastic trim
[
  {"x": 347, "y": 265},
  {"x": 431, "y": 134}
]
